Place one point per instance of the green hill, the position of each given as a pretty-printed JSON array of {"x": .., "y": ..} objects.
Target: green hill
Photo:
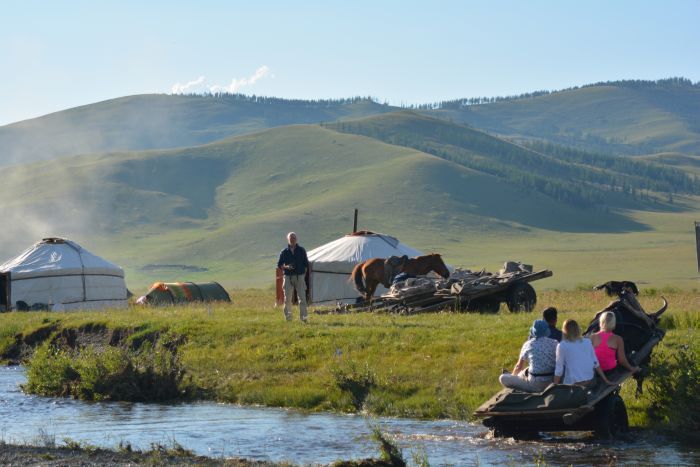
[
  {"x": 581, "y": 179},
  {"x": 628, "y": 117},
  {"x": 220, "y": 211},
  {"x": 158, "y": 121}
]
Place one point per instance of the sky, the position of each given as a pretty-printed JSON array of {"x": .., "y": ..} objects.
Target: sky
[{"x": 57, "y": 55}]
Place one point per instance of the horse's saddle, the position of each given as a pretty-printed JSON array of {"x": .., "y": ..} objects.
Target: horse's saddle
[{"x": 393, "y": 266}]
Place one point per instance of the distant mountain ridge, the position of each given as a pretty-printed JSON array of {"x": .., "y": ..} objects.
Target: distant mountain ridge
[
  {"x": 159, "y": 121},
  {"x": 624, "y": 117},
  {"x": 618, "y": 117}
]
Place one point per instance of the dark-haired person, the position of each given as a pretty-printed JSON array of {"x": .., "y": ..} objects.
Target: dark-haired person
[
  {"x": 609, "y": 347},
  {"x": 576, "y": 359},
  {"x": 294, "y": 262},
  {"x": 549, "y": 314},
  {"x": 540, "y": 353}
]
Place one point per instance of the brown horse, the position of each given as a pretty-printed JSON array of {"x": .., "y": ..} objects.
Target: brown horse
[{"x": 369, "y": 274}]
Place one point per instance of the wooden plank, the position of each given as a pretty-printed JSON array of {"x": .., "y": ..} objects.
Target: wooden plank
[
  {"x": 437, "y": 306},
  {"x": 506, "y": 285},
  {"x": 529, "y": 412}
]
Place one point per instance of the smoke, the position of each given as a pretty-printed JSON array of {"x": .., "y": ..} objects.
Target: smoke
[
  {"x": 42, "y": 201},
  {"x": 233, "y": 87},
  {"x": 237, "y": 84},
  {"x": 178, "y": 88}
]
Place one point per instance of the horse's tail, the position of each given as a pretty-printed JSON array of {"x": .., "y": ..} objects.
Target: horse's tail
[{"x": 357, "y": 278}]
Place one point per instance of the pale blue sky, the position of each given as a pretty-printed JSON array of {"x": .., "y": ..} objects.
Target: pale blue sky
[{"x": 56, "y": 55}]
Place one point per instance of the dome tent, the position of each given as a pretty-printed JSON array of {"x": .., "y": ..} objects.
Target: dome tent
[
  {"x": 173, "y": 293},
  {"x": 332, "y": 263},
  {"x": 59, "y": 272}
]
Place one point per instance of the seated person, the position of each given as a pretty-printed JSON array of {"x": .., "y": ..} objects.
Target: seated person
[
  {"x": 609, "y": 347},
  {"x": 549, "y": 314},
  {"x": 576, "y": 360},
  {"x": 539, "y": 352}
]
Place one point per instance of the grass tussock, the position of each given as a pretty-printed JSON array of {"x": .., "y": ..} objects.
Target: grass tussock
[
  {"x": 152, "y": 373},
  {"x": 441, "y": 365},
  {"x": 355, "y": 381},
  {"x": 674, "y": 391}
]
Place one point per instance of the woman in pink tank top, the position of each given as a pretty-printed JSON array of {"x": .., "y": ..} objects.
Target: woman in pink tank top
[{"x": 609, "y": 347}]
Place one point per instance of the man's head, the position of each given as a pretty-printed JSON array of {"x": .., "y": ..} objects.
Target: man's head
[
  {"x": 549, "y": 314},
  {"x": 292, "y": 239}
]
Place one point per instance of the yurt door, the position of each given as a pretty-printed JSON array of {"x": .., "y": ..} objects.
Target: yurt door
[{"x": 4, "y": 291}]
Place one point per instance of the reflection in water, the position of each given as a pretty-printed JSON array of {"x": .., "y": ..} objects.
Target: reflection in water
[{"x": 218, "y": 430}]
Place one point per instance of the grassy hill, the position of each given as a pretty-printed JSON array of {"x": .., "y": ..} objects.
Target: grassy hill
[
  {"x": 629, "y": 117},
  {"x": 220, "y": 211},
  {"x": 158, "y": 121}
]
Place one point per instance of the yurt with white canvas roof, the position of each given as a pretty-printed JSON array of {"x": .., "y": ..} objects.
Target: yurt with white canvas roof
[
  {"x": 332, "y": 263},
  {"x": 62, "y": 274}
]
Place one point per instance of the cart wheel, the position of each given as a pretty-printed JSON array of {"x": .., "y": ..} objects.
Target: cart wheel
[
  {"x": 521, "y": 297},
  {"x": 611, "y": 417},
  {"x": 500, "y": 431},
  {"x": 484, "y": 305}
]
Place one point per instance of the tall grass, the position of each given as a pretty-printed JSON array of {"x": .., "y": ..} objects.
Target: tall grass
[
  {"x": 152, "y": 373},
  {"x": 440, "y": 365}
]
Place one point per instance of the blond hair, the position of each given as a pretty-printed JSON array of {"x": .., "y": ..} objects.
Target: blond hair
[
  {"x": 607, "y": 321},
  {"x": 571, "y": 331}
]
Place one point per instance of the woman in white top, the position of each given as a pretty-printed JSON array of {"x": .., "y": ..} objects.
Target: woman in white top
[{"x": 576, "y": 359}]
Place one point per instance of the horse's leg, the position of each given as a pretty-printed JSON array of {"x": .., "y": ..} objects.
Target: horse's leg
[{"x": 371, "y": 288}]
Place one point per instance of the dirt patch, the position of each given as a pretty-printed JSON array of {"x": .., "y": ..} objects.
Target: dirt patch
[
  {"x": 23, "y": 346},
  {"x": 91, "y": 334},
  {"x": 55, "y": 456}
]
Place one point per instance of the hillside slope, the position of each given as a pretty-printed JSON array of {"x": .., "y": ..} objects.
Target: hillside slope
[
  {"x": 614, "y": 118},
  {"x": 581, "y": 179},
  {"x": 632, "y": 117},
  {"x": 158, "y": 121},
  {"x": 220, "y": 211}
]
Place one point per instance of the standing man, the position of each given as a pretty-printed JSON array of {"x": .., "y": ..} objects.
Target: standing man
[{"x": 293, "y": 262}]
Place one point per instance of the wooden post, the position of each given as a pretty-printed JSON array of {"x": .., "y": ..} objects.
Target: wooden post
[
  {"x": 697, "y": 242},
  {"x": 354, "y": 225}
]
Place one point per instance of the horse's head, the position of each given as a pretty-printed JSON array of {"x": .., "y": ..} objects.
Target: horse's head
[
  {"x": 439, "y": 266},
  {"x": 634, "y": 324}
]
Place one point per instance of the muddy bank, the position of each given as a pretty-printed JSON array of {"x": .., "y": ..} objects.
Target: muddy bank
[
  {"x": 84, "y": 335},
  {"x": 86, "y": 456}
]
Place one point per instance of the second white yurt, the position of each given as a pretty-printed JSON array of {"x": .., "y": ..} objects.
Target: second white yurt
[
  {"x": 332, "y": 263},
  {"x": 62, "y": 275}
]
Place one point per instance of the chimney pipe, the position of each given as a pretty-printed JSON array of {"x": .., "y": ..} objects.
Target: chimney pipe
[{"x": 354, "y": 224}]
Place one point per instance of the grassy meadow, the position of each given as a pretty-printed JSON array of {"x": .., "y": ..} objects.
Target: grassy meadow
[{"x": 441, "y": 365}]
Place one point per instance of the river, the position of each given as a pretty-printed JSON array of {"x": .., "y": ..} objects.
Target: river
[{"x": 217, "y": 430}]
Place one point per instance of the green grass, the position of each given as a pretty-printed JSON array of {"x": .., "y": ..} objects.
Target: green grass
[{"x": 426, "y": 366}]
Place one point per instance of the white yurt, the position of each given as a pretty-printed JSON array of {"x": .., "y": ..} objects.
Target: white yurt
[
  {"x": 332, "y": 263},
  {"x": 60, "y": 273}
]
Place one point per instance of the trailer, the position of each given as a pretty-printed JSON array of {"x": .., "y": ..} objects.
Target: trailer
[
  {"x": 598, "y": 408},
  {"x": 464, "y": 290}
]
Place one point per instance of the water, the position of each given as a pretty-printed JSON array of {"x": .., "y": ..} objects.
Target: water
[{"x": 218, "y": 430}]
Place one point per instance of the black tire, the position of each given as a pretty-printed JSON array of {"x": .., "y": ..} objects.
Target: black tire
[
  {"x": 611, "y": 417},
  {"x": 484, "y": 305},
  {"x": 521, "y": 297}
]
